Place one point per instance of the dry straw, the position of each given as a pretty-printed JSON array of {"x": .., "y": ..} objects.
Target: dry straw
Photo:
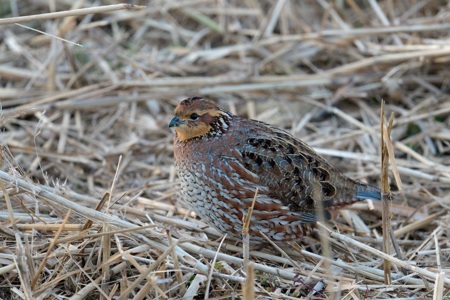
[{"x": 91, "y": 199}]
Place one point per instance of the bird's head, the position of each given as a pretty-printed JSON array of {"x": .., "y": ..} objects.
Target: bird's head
[{"x": 198, "y": 117}]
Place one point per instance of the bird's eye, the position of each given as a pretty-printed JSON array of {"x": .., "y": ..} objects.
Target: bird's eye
[{"x": 194, "y": 116}]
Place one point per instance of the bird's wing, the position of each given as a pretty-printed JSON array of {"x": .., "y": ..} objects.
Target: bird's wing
[{"x": 293, "y": 172}]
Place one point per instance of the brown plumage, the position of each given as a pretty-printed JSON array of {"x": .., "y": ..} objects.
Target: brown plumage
[{"x": 222, "y": 159}]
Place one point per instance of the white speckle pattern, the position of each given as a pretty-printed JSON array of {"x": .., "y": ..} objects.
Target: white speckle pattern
[{"x": 203, "y": 190}]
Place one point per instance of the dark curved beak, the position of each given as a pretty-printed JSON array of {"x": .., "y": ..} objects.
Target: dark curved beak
[{"x": 175, "y": 122}]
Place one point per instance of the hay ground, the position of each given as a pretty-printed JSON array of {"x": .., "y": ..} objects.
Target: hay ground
[{"x": 85, "y": 113}]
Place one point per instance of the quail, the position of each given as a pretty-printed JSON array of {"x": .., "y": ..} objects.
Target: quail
[{"x": 223, "y": 159}]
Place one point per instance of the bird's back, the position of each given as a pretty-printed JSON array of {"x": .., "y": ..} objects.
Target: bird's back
[{"x": 293, "y": 171}]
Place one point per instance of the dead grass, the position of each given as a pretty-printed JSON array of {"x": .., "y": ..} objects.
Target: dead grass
[{"x": 85, "y": 112}]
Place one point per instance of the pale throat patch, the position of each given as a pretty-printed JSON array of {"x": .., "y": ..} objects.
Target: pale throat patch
[{"x": 185, "y": 132}]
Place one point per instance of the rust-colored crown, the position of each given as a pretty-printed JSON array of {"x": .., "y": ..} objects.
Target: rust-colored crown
[{"x": 194, "y": 104}]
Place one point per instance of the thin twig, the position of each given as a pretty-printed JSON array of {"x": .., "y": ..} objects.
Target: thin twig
[{"x": 68, "y": 13}]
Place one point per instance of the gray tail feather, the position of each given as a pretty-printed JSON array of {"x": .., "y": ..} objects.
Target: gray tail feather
[{"x": 368, "y": 192}]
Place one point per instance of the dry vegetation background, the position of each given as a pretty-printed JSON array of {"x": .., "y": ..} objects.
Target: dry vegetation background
[{"x": 86, "y": 119}]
